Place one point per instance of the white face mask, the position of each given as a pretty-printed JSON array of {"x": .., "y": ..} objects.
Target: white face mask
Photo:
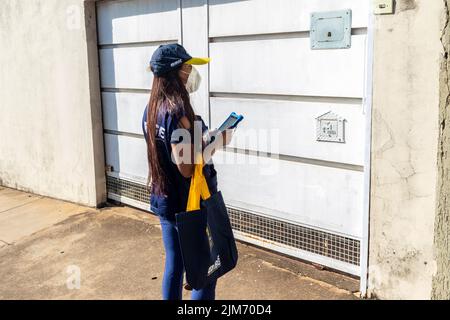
[{"x": 193, "y": 81}]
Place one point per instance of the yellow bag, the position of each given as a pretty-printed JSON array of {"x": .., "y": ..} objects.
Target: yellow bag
[{"x": 198, "y": 189}]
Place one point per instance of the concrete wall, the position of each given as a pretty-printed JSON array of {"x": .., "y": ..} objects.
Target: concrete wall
[
  {"x": 404, "y": 150},
  {"x": 50, "y": 125},
  {"x": 441, "y": 281}
]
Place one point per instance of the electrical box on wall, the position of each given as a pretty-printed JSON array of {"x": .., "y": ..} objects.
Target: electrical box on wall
[
  {"x": 331, "y": 30},
  {"x": 383, "y": 6}
]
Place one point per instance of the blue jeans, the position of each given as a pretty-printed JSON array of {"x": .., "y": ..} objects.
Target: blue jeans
[{"x": 172, "y": 286}]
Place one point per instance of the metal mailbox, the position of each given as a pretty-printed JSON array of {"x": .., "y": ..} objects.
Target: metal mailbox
[{"x": 331, "y": 30}]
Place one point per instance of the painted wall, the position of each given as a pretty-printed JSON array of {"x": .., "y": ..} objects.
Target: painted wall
[
  {"x": 50, "y": 112},
  {"x": 404, "y": 150}
]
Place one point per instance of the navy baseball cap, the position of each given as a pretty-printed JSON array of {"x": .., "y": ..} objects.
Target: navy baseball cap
[{"x": 170, "y": 57}]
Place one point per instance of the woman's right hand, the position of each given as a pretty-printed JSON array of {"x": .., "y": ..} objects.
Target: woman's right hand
[{"x": 227, "y": 136}]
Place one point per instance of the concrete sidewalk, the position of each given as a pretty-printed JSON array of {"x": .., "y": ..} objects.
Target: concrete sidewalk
[{"x": 118, "y": 252}]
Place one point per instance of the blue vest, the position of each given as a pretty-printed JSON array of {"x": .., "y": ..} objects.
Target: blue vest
[{"x": 175, "y": 199}]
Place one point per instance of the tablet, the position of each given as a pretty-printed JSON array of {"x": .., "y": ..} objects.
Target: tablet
[{"x": 231, "y": 122}]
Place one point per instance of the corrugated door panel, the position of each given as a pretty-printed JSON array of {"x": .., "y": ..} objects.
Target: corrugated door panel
[
  {"x": 319, "y": 196},
  {"x": 291, "y": 126},
  {"x": 287, "y": 66},
  {"x": 127, "y": 156},
  {"x": 269, "y": 16},
  {"x": 125, "y": 68},
  {"x": 122, "y": 111},
  {"x": 137, "y": 21}
]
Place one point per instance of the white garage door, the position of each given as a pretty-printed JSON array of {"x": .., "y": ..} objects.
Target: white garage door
[{"x": 285, "y": 189}]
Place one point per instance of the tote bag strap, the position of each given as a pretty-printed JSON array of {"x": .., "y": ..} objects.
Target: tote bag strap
[{"x": 198, "y": 188}]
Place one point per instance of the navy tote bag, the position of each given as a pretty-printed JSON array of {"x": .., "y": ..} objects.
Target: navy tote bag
[{"x": 207, "y": 243}]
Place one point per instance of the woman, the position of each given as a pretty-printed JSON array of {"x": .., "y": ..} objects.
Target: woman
[{"x": 169, "y": 112}]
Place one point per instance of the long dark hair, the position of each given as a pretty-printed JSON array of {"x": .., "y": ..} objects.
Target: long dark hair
[{"x": 168, "y": 94}]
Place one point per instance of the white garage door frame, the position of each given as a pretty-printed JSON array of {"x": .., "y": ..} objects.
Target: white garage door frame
[{"x": 360, "y": 270}]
